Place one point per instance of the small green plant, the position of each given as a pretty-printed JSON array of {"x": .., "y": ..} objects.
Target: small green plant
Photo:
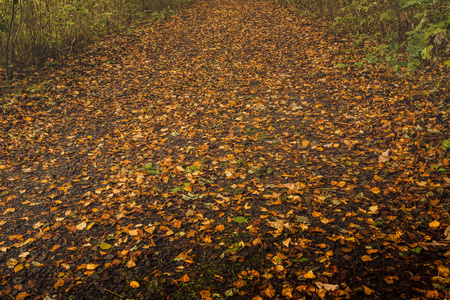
[
  {"x": 359, "y": 64},
  {"x": 151, "y": 169},
  {"x": 439, "y": 168},
  {"x": 445, "y": 145},
  {"x": 371, "y": 58},
  {"x": 192, "y": 169},
  {"x": 180, "y": 188}
]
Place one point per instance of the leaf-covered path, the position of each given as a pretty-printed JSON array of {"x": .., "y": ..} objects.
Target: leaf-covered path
[{"x": 233, "y": 150}]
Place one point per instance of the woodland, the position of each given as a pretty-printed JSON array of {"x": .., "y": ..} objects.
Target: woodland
[{"x": 224, "y": 149}]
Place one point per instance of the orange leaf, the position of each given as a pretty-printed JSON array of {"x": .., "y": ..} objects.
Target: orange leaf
[
  {"x": 270, "y": 291},
  {"x": 130, "y": 264},
  {"x": 59, "y": 283},
  {"x": 375, "y": 190},
  {"x": 185, "y": 278},
  {"x": 18, "y": 268},
  {"x": 206, "y": 295},
  {"x": 367, "y": 291},
  {"x": 366, "y": 258},
  {"x": 23, "y": 295},
  {"x": 434, "y": 224},
  {"x": 134, "y": 284}
]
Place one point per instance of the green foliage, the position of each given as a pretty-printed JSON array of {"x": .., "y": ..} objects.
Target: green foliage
[
  {"x": 445, "y": 145},
  {"x": 33, "y": 31},
  {"x": 4, "y": 28},
  {"x": 419, "y": 27}
]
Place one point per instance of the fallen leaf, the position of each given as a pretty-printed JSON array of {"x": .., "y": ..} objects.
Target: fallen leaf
[
  {"x": 326, "y": 286},
  {"x": 375, "y": 190},
  {"x": 434, "y": 224},
  {"x": 130, "y": 264},
  {"x": 59, "y": 283},
  {"x": 81, "y": 226},
  {"x": 384, "y": 157},
  {"x": 91, "y": 266},
  {"x": 185, "y": 278},
  {"x": 270, "y": 291}
]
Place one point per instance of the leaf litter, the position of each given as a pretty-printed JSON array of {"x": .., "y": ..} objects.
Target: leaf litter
[{"x": 224, "y": 153}]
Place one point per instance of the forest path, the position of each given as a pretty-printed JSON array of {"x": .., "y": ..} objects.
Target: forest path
[{"x": 231, "y": 150}]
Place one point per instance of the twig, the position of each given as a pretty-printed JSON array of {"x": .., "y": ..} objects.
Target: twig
[{"x": 112, "y": 293}]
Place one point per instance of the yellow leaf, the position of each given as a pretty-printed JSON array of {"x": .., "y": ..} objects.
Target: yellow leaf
[
  {"x": 341, "y": 184},
  {"x": 8, "y": 210},
  {"x": 91, "y": 266},
  {"x": 434, "y": 224},
  {"x": 305, "y": 144},
  {"x": 134, "y": 284},
  {"x": 18, "y": 268},
  {"x": 309, "y": 275}
]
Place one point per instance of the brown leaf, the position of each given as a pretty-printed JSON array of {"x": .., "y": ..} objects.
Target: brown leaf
[
  {"x": 326, "y": 286},
  {"x": 384, "y": 157}
]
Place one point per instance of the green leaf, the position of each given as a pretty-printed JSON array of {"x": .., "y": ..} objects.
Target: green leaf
[
  {"x": 416, "y": 250},
  {"x": 377, "y": 223},
  {"x": 105, "y": 246},
  {"x": 240, "y": 219},
  {"x": 234, "y": 249},
  {"x": 177, "y": 189},
  {"x": 300, "y": 260}
]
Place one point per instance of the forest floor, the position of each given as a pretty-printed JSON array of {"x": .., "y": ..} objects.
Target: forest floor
[{"x": 232, "y": 151}]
